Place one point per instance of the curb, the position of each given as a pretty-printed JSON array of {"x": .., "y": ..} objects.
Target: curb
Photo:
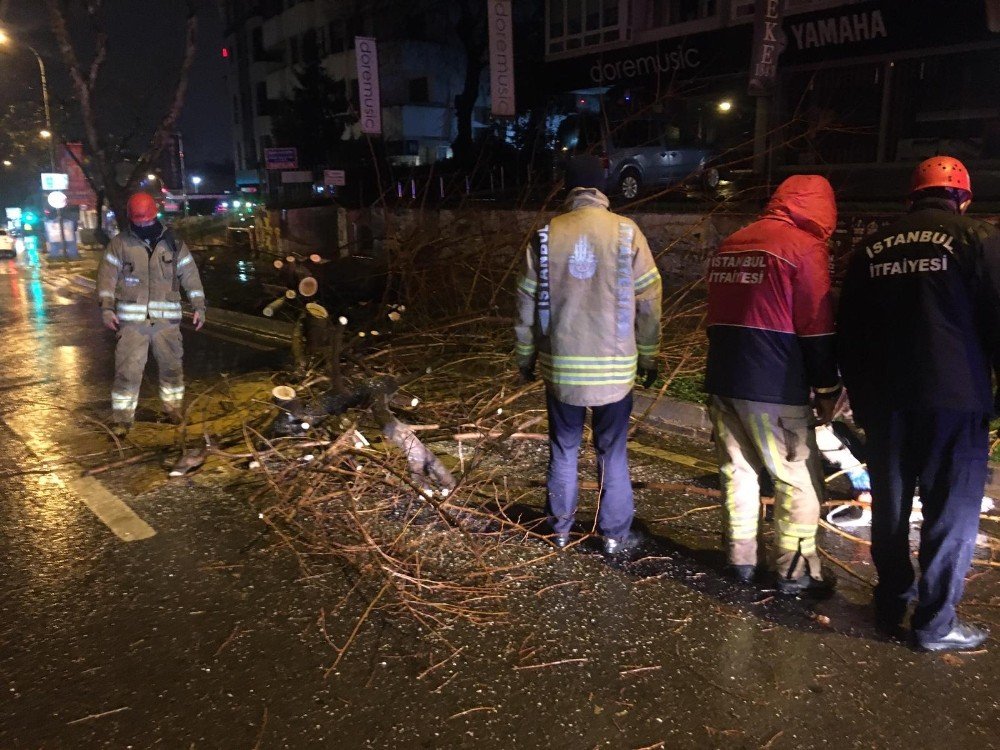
[{"x": 673, "y": 416}]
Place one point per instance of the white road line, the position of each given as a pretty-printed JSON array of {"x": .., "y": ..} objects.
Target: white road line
[
  {"x": 124, "y": 522},
  {"x": 115, "y": 514}
]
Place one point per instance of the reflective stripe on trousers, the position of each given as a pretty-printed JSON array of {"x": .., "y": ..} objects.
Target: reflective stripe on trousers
[
  {"x": 131, "y": 353},
  {"x": 751, "y": 437}
]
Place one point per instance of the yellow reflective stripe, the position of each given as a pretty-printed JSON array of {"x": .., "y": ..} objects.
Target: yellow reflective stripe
[
  {"x": 195, "y": 293},
  {"x": 113, "y": 260},
  {"x": 184, "y": 261},
  {"x": 524, "y": 348},
  {"x": 648, "y": 350},
  {"x": 164, "y": 305},
  {"x": 567, "y": 381},
  {"x": 647, "y": 280},
  {"x": 576, "y": 363},
  {"x": 528, "y": 286},
  {"x": 105, "y": 293}
]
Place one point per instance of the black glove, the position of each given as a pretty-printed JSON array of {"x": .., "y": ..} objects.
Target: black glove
[{"x": 648, "y": 375}]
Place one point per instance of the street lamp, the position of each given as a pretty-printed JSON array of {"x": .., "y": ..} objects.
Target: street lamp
[
  {"x": 151, "y": 177},
  {"x": 47, "y": 133},
  {"x": 8, "y": 163},
  {"x": 196, "y": 181}
]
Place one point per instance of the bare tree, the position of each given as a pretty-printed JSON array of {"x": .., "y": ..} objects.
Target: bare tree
[
  {"x": 85, "y": 66},
  {"x": 470, "y": 27}
]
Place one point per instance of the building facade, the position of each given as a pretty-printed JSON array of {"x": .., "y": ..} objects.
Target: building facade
[
  {"x": 858, "y": 82},
  {"x": 421, "y": 60}
]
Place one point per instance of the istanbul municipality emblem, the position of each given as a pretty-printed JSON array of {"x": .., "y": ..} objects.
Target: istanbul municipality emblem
[{"x": 583, "y": 262}]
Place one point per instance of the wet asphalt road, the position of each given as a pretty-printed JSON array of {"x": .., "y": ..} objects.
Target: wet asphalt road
[{"x": 206, "y": 634}]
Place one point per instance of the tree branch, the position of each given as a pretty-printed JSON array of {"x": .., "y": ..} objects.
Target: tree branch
[{"x": 167, "y": 125}]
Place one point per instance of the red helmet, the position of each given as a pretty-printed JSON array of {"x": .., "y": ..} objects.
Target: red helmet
[
  {"x": 941, "y": 171},
  {"x": 141, "y": 209}
]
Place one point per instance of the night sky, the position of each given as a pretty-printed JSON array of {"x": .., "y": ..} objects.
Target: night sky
[{"x": 145, "y": 48}]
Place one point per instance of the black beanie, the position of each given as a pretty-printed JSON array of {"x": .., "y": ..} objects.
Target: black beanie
[{"x": 585, "y": 171}]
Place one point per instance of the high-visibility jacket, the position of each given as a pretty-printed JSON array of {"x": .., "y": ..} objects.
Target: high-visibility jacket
[
  {"x": 589, "y": 303},
  {"x": 139, "y": 285},
  {"x": 770, "y": 310}
]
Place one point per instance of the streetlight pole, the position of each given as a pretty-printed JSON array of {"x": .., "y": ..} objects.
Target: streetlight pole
[{"x": 51, "y": 137}]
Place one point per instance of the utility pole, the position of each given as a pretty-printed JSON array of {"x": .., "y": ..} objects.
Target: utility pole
[{"x": 180, "y": 158}]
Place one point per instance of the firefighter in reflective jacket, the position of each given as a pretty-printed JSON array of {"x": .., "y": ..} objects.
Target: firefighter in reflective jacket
[
  {"x": 589, "y": 311},
  {"x": 139, "y": 289},
  {"x": 919, "y": 333}
]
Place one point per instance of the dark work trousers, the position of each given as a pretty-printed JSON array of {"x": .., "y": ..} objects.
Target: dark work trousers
[
  {"x": 610, "y": 425},
  {"x": 944, "y": 454}
]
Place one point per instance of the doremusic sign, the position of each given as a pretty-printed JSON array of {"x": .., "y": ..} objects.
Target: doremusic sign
[
  {"x": 370, "y": 106},
  {"x": 501, "y": 58}
]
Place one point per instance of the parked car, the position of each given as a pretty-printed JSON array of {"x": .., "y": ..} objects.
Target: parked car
[
  {"x": 638, "y": 153},
  {"x": 8, "y": 247}
]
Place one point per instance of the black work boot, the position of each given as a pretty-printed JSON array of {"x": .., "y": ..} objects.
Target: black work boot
[
  {"x": 560, "y": 540},
  {"x": 961, "y": 637},
  {"x": 741, "y": 573},
  {"x": 805, "y": 585},
  {"x": 173, "y": 414},
  {"x": 618, "y": 546}
]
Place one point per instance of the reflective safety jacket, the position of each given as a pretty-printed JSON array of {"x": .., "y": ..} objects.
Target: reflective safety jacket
[
  {"x": 919, "y": 321},
  {"x": 770, "y": 312},
  {"x": 588, "y": 303},
  {"x": 139, "y": 285}
]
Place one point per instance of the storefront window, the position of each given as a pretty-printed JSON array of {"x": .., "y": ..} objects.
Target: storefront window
[
  {"x": 946, "y": 104},
  {"x": 582, "y": 23},
  {"x": 833, "y": 115}
]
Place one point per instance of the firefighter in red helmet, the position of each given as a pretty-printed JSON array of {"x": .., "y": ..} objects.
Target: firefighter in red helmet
[
  {"x": 139, "y": 285},
  {"x": 919, "y": 333}
]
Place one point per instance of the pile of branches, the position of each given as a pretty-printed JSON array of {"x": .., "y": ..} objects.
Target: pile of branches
[{"x": 384, "y": 456}]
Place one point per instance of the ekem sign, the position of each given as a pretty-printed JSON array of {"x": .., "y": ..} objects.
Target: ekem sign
[{"x": 767, "y": 45}]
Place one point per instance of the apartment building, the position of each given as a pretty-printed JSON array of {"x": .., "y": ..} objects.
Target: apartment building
[{"x": 421, "y": 61}]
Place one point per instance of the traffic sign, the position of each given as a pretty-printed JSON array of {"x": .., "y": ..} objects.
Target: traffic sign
[
  {"x": 57, "y": 199},
  {"x": 55, "y": 181},
  {"x": 335, "y": 177},
  {"x": 298, "y": 176},
  {"x": 281, "y": 158}
]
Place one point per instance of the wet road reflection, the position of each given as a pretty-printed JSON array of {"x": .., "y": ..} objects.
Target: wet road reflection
[{"x": 206, "y": 635}]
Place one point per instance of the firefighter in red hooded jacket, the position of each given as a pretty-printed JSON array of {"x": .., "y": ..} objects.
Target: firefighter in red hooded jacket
[{"x": 771, "y": 348}]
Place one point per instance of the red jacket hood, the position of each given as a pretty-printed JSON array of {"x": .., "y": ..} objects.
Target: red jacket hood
[{"x": 807, "y": 201}]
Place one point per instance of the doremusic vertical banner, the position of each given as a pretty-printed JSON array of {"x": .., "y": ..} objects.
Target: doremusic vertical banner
[
  {"x": 501, "y": 57},
  {"x": 370, "y": 104}
]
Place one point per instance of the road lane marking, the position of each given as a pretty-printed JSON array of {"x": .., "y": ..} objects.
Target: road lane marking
[
  {"x": 115, "y": 514},
  {"x": 112, "y": 511},
  {"x": 676, "y": 458}
]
